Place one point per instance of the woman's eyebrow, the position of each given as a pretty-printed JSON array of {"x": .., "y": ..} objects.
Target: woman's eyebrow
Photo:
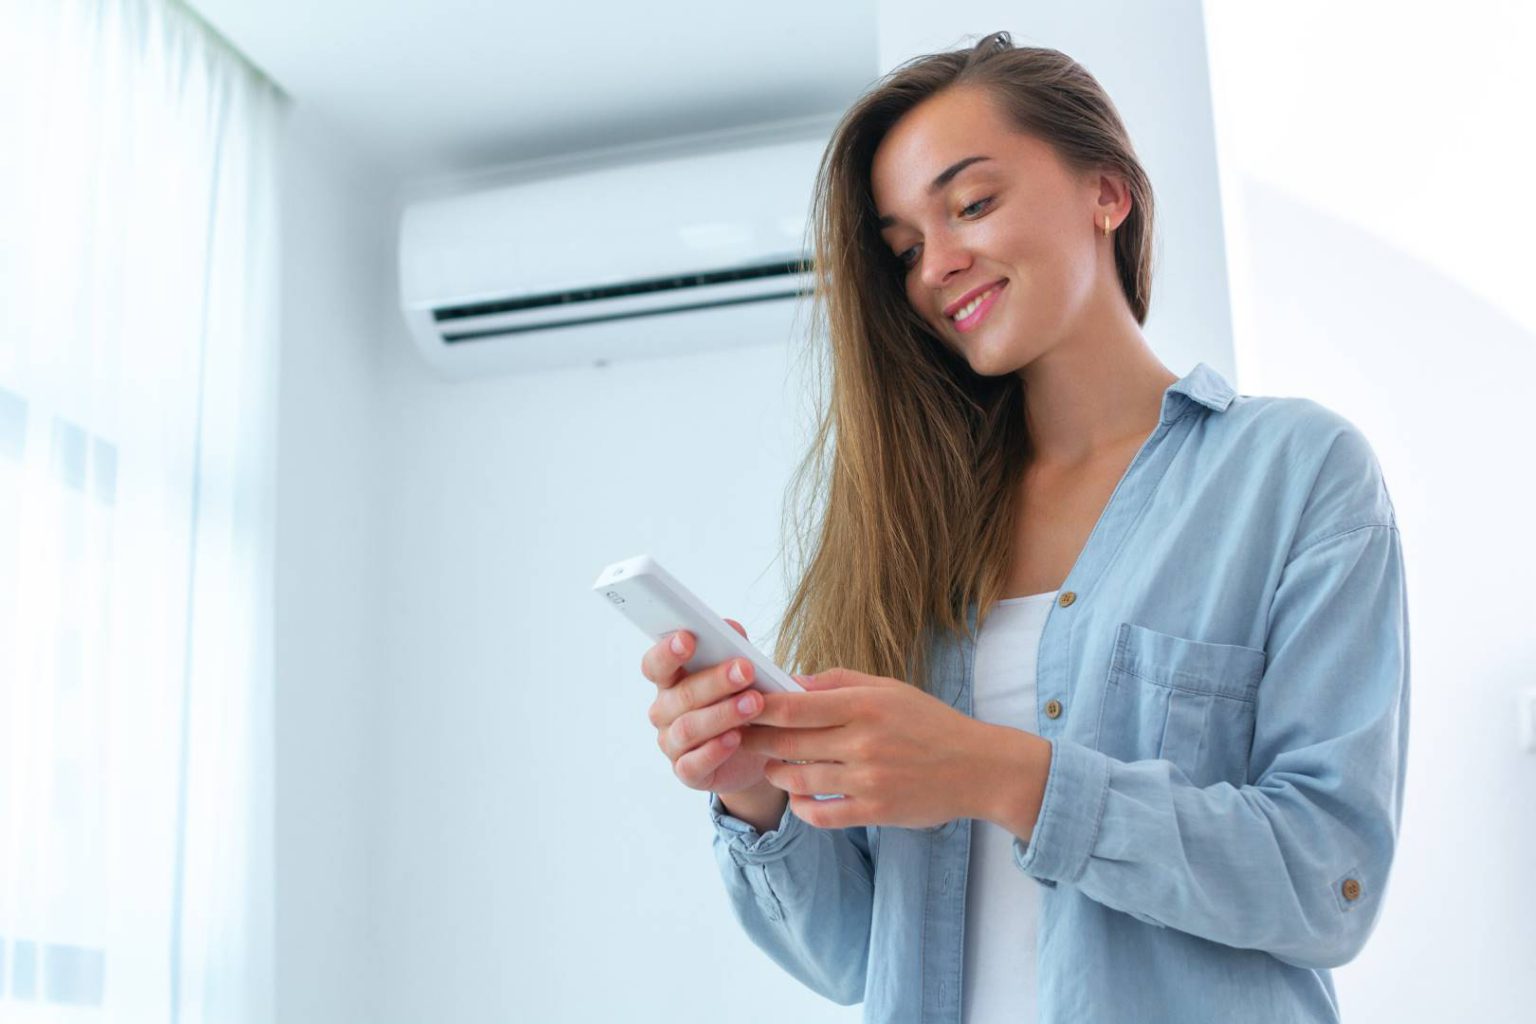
[{"x": 945, "y": 177}]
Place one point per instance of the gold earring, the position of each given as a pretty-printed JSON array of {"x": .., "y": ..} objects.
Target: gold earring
[{"x": 1106, "y": 225}]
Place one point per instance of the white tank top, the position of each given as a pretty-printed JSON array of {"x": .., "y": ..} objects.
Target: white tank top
[{"x": 1001, "y": 902}]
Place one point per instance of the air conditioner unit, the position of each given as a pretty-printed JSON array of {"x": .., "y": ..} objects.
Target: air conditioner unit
[{"x": 671, "y": 255}]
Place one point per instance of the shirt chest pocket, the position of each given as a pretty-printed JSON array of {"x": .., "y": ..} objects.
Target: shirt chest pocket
[{"x": 1185, "y": 701}]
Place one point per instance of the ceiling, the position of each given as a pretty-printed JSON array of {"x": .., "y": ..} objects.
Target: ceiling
[{"x": 447, "y": 87}]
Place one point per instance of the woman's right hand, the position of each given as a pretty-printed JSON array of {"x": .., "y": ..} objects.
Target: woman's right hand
[{"x": 698, "y": 723}]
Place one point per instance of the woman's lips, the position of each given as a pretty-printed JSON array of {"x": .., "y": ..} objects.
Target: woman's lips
[{"x": 970, "y": 323}]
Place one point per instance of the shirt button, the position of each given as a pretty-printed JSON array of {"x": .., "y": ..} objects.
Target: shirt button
[
  {"x": 1351, "y": 889},
  {"x": 1053, "y": 709},
  {"x": 1067, "y": 598}
]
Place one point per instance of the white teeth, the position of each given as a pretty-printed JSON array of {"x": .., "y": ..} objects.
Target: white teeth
[{"x": 970, "y": 307}]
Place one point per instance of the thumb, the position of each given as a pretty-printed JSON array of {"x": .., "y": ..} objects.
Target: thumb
[{"x": 835, "y": 678}]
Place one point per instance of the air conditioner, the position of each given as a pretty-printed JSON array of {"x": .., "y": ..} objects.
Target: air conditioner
[{"x": 665, "y": 256}]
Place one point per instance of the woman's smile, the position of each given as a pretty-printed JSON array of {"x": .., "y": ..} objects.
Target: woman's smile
[{"x": 969, "y": 316}]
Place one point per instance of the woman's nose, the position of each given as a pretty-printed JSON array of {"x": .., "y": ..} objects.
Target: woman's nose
[{"x": 943, "y": 257}]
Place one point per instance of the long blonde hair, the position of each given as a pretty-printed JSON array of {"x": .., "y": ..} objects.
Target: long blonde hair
[{"x": 917, "y": 457}]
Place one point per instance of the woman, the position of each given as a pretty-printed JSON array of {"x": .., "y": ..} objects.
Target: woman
[{"x": 1120, "y": 718}]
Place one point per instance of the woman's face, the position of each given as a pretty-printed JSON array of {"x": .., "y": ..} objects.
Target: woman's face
[{"x": 973, "y": 207}]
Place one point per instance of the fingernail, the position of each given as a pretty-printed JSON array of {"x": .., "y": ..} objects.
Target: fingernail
[
  {"x": 736, "y": 676},
  {"x": 747, "y": 704},
  {"x": 677, "y": 644},
  {"x": 730, "y": 739}
]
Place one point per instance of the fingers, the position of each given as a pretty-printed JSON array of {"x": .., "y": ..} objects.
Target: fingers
[
  {"x": 833, "y": 744},
  {"x": 735, "y": 706},
  {"x": 814, "y": 709},
  {"x": 662, "y": 662},
  {"x": 697, "y": 767},
  {"x": 808, "y": 779},
  {"x": 703, "y": 689},
  {"x": 698, "y": 716}
]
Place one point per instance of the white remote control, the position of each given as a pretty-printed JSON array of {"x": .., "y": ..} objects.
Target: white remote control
[{"x": 654, "y": 600}]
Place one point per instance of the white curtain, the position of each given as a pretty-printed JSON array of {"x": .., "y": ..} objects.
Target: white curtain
[{"x": 137, "y": 387}]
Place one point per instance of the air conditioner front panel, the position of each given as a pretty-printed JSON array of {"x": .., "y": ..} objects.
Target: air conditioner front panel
[
  {"x": 624, "y": 262},
  {"x": 665, "y": 217}
]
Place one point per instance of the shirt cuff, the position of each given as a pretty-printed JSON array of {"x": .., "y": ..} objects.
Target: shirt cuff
[
  {"x": 745, "y": 840},
  {"x": 1076, "y": 789}
]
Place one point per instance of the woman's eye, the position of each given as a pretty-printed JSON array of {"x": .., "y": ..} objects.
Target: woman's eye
[{"x": 906, "y": 258}]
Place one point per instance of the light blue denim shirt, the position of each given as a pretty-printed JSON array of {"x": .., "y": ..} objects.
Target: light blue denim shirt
[{"x": 1223, "y": 679}]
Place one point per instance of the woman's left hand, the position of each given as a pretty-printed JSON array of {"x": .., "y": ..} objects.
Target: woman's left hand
[{"x": 898, "y": 756}]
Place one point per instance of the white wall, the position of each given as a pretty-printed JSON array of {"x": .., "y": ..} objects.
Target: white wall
[
  {"x": 337, "y": 289},
  {"x": 1380, "y": 240}
]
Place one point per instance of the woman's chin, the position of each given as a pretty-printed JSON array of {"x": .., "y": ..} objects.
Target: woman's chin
[
  {"x": 989, "y": 360},
  {"x": 986, "y": 351}
]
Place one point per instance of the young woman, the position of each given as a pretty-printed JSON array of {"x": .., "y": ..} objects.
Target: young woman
[{"x": 1112, "y": 664}]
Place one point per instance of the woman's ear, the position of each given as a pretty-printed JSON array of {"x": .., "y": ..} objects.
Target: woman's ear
[{"x": 1113, "y": 198}]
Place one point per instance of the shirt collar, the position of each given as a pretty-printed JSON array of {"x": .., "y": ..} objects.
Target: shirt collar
[{"x": 1203, "y": 385}]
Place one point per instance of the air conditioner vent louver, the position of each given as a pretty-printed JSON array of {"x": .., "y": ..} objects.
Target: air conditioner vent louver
[
  {"x": 662, "y": 296},
  {"x": 780, "y": 268}
]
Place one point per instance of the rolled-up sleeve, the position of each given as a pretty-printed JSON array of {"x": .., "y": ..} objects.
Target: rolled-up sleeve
[
  {"x": 803, "y": 895},
  {"x": 1296, "y": 862}
]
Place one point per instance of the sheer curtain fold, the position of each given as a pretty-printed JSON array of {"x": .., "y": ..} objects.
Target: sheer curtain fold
[{"x": 138, "y": 363}]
